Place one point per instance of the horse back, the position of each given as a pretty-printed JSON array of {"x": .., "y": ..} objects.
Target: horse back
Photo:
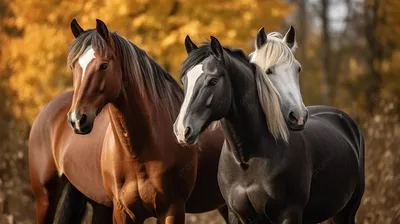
[
  {"x": 77, "y": 157},
  {"x": 341, "y": 122}
]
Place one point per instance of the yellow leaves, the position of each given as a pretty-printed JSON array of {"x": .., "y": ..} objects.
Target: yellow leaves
[
  {"x": 139, "y": 21},
  {"x": 247, "y": 16},
  {"x": 35, "y": 61},
  {"x": 169, "y": 40},
  {"x": 231, "y": 34},
  {"x": 38, "y": 58}
]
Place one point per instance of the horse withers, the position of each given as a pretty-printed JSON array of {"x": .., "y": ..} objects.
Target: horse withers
[
  {"x": 269, "y": 173},
  {"x": 119, "y": 152}
]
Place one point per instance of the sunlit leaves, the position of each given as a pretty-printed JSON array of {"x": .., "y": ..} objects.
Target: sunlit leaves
[{"x": 37, "y": 59}]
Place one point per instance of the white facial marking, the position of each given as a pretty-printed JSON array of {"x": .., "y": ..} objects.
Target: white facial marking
[
  {"x": 192, "y": 76},
  {"x": 75, "y": 120},
  {"x": 85, "y": 59},
  {"x": 287, "y": 82}
]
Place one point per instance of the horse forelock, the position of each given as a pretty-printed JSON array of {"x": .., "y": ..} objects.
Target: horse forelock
[
  {"x": 204, "y": 51},
  {"x": 274, "y": 52},
  {"x": 80, "y": 44},
  {"x": 195, "y": 58}
]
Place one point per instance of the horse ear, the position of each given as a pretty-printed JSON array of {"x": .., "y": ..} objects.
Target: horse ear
[
  {"x": 102, "y": 29},
  {"x": 216, "y": 48},
  {"x": 261, "y": 38},
  {"x": 189, "y": 45},
  {"x": 76, "y": 28},
  {"x": 290, "y": 38}
]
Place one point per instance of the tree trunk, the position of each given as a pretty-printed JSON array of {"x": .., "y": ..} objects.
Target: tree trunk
[
  {"x": 326, "y": 52},
  {"x": 375, "y": 57},
  {"x": 302, "y": 30}
]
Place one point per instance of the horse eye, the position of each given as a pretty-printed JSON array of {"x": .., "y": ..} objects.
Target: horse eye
[
  {"x": 212, "y": 82},
  {"x": 103, "y": 66},
  {"x": 269, "y": 71},
  {"x": 299, "y": 69}
]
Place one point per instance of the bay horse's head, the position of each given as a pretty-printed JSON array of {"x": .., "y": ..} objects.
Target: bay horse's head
[
  {"x": 274, "y": 54},
  {"x": 97, "y": 74}
]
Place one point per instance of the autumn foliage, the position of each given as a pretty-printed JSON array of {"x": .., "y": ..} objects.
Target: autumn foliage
[
  {"x": 37, "y": 58},
  {"x": 362, "y": 73}
]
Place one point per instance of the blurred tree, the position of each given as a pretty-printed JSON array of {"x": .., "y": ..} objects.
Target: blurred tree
[
  {"x": 382, "y": 33},
  {"x": 325, "y": 51}
]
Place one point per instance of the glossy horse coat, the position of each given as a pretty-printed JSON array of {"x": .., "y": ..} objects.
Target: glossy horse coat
[
  {"x": 124, "y": 153},
  {"x": 318, "y": 173}
]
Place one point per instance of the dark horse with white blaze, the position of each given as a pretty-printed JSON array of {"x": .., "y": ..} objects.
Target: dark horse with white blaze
[
  {"x": 267, "y": 173},
  {"x": 126, "y": 162}
]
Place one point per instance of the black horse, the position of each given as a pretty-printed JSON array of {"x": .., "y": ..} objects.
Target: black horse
[{"x": 307, "y": 177}]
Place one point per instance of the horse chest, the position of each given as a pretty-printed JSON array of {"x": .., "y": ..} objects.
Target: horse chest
[
  {"x": 248, "y": 201},
  {"x": 126, "y": 179},
  {"x": 248, "y": 192}
]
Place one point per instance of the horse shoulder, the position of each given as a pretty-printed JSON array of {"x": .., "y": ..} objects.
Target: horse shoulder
[{"x": 48, "y": 124}]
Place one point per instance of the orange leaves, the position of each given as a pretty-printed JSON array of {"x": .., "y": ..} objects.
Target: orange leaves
[{"x": 38, "y": 57}]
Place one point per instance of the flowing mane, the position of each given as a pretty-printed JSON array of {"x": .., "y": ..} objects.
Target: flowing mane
[
  {"x": 269, "y": 100},
  {"x": 268, "y": 95},
  {"x": 139, "y": 70}
]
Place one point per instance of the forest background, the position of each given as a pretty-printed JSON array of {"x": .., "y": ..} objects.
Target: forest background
[{"x": 349, "y": 51}]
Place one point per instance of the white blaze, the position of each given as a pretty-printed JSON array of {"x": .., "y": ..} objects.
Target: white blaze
[
  {"x": 192, "y": 76},
  {"x": 86, "y": 58},
  {"x": 83, "y": 61}
]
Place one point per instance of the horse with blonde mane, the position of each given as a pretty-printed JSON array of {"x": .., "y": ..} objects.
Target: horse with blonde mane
[
  {"x": 119, "y": 152},
  {"x": 280, "y": 162}
]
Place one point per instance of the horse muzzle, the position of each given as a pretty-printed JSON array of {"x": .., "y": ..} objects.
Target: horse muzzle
[
  {"x": 186, "y": 135},
  {"x": 80, "y": 123},
  {"x": 297, "y": 119}
]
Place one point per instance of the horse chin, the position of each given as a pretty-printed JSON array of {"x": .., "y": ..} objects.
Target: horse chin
[
  {"x": 293, "y": 127},
  {"x": 191, "y": 140},
  {"x": 85, "y": 130}
]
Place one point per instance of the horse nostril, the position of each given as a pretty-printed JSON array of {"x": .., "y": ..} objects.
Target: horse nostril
[
  {"x": 292, "y": 117},
  {"x": 188, "y": 131},
  {"x": 83, "y": 119}
]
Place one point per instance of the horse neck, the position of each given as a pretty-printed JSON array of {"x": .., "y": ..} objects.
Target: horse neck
[
  {"x": 134, "y": 119},
  {"x": 245, "y": 127}
]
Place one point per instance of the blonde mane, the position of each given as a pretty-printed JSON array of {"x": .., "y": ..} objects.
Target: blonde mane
[{"x": 274, "y": 52}]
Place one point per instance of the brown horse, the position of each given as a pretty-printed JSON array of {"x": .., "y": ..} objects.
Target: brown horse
[{"x": 130, "y": 159}]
